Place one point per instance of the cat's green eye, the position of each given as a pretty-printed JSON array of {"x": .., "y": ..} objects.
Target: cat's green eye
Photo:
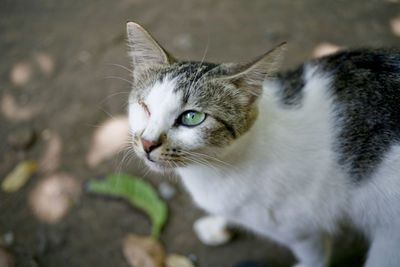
[{"x": 192, "y": 118}]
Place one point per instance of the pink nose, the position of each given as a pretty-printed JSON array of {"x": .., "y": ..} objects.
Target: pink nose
[{"x": 148, "y": 146}]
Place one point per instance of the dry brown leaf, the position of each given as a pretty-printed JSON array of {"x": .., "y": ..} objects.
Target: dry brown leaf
[
  {"x": 19, "y": 176},
  {"x": 175, "y": 260},
  {"x": 21, "y": 73},
  {"x": 395, "y": 25},
  {"x": 6, "y": 259},
  {"x": 325, "y": 49},
  {"x": 108, "y": 140},
  {"x": 52, "y": 197},
  {"x": 45, "y": 63},
  {"x": 50, "y": 160},
  {"x": 142, "y": 251},
  {"x": 12, "y": 111}
]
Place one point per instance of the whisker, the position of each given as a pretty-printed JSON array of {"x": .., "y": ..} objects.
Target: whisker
[
  {"x": 210, "y": 157},
  {"x": 118, "y": 93},
  {"x": 121, "y": 66},
  {"x": 106, "y": 112},
  {"x": 202, "y": 162},
  {"x": 119, "y": 78},
  {"x": 194, "y": 82}
]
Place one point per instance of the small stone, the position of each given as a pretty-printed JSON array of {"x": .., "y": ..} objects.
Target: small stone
[
  {"x": 193, "y": 257},
  {"x": 22, "y": 138},
  {"x": 166, "y": 190},
  {"x": 8, "y": 238},
  {"x": 175, "y": 260}
]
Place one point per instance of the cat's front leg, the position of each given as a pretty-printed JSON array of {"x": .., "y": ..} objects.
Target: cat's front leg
[
  {"x": 312, "y": 251},
  {"x": 212, "y": 230}
]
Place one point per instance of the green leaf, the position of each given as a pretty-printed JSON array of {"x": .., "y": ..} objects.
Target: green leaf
[{"x": 138, "y": 193}]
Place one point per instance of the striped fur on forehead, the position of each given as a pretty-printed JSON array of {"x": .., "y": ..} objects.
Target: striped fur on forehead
[{"x": 189, "y": 74}]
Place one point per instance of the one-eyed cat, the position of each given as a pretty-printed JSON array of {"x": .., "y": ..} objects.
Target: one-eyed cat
[{"x": 287, "y": 155}]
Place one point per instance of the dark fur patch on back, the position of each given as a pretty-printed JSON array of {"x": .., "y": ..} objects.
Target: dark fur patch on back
[
  {"x": 292, "y": 83},
  {"x": 366, "y": 87}
]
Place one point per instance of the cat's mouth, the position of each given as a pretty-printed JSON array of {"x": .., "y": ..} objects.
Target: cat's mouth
[
  {"x": 150, "y": 159},
  {"x": 157, "y": 165}
]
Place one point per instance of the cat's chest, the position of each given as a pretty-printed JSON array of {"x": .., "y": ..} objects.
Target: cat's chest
[
  {"x": 230, "y": 195},
  {"x": 213, "y": 189}
]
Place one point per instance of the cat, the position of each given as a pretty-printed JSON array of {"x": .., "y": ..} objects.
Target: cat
[{"x": 287, "y": 155}]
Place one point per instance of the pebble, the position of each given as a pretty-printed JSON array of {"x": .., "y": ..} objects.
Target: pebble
[
  {"x": 22, "y": 138},
  {"x": 193, "y": 257},
  {"x": 8, "y": 238},
  {"x": 175, "y": 260},
  {"x": 166, "y": 190}
]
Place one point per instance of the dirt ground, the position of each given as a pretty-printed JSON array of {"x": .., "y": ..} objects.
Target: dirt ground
[{"x": 56, "y": 87}]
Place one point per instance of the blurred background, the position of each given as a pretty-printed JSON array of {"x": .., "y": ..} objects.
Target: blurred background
[{"x": 63, "y": 97}]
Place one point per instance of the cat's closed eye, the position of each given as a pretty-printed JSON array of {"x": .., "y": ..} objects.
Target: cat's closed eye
[{"x": 144, "y": 107}]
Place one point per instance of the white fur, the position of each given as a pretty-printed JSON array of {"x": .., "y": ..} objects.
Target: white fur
[
  {"x": 212, "y": 230},
  {"x": 281, "y": 179},
  {"x": 284, "y": 182},
  {"x": 163, "y": 104},
  {"x": 375, "y": 207}
]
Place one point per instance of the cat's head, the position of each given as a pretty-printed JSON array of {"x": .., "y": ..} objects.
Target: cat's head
[{"x": 184, "y": 113}]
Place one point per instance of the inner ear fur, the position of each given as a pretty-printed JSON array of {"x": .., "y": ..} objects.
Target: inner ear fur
[
  {"x": 250, "y": 76},
  {"x": 263, "y": 66}
]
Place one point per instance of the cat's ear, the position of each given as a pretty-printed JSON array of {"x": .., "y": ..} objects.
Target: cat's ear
[
  {"x": 144, "y": 49},
  {"x": 262, "y": 67},
  {"x": 250, "y": 76}
]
